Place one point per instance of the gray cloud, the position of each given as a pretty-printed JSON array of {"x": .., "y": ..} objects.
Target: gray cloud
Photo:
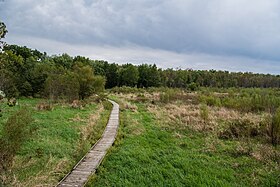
[{"x": 229, "y": 29}]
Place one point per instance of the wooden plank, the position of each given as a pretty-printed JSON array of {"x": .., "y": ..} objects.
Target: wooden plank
[{"x": 90, "y": 162}]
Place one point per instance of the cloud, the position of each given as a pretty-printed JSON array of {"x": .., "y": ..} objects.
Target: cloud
[
  {"x": 235, "y": 29},
  {"x": 162, "y": 58}
]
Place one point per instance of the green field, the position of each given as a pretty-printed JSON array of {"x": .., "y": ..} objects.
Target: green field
[{"x": 62, "y": 136}]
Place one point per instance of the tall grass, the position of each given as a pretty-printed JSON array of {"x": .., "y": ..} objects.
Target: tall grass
[
  {"x": 166, "y": 153},
  {"x": 275, "y": 128}
]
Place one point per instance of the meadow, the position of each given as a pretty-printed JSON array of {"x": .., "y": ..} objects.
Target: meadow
[
  {"x": 177, "y": 138},
  {"x": 61, "y": 136},
  {"x": 167, "y": 137}
]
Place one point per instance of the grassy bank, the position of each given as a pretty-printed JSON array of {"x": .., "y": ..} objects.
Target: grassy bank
[
  {"x": 63, "y": 134},
  {"x": 159, "y": 145}
]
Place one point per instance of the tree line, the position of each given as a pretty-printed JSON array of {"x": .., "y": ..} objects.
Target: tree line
[{"x": 28, "y": 72}]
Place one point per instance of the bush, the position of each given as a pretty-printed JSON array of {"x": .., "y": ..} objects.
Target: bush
[
  {"x": 7, "y": 84},
  {"x": 193, "y": 86},
  {"x": 15, "y": 132},
  {"x": 275, "y": 128},
  {"x": 168, "y": 95},
  {"x": 240, "y": 129},
  {"x": 107, "y": 105},
  {"x": 204, "y": 113},
  {"x": 126, "y": 89},
  {"x": 210, "y": 100},
  {"x": 62, "y": 86},
  {"x": 99, "y": 84},
  {"x": 26, "y": 89}
]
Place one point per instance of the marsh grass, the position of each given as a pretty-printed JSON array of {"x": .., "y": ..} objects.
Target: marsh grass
[{"x": 171, "y": 152}]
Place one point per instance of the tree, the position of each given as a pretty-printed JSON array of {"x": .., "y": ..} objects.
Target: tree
[
  {"x": 62, "y": 86},
  {"x": 85, "y": 78},
  {"x": 7, "y": 84},
  {"x": 63, "y": 60},
  {"x": 98, "y": 84},
  {"x": 128, "y": 75},
  {"x": 111, "y": 75},
  {"x": 148, "y": 76},
  {"x": 3, "y": 32}
]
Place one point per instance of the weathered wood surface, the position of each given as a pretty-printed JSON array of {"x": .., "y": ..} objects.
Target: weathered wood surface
[{"x": 90, "y": 162}]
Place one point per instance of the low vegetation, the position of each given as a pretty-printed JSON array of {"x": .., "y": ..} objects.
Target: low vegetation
[
  {"x": 185, "y": 141},
  {"x": 42, "y": 151}
]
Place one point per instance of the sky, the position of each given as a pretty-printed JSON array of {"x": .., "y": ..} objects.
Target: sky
[{"x": 232, "y": 35}]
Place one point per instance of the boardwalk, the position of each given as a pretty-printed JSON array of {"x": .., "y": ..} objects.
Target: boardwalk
[{"x": 89, "y": 163}]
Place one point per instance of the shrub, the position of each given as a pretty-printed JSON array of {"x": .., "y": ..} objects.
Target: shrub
[
  {"x": 240, "y": 129},
  {"x": 275, "y": 128},
  {"x": 204, "y": 112},
  {"x": 126, "y": 89},
  {"x": 44, "y": 106},
  {"x": 107, "y": 105},
  {"x": 7, "y": 84},
  {"x": 98, "y": 84},
  {"x": 193, "y": 86},
  {"x": 168, "y": 95},
  {"x": 15, "y": 132},
  {"x": 62, "y": 86},
  {"x": 210, "y": 100},
  {"x": 26, "y": 89}
]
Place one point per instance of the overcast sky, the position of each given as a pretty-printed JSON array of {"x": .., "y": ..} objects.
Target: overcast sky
[{"x": 234, "y": 35}]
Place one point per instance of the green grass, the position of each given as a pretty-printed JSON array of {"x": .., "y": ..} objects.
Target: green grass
[
  {"x": 57, "y": 144},
  {"x": 156, "y": 157}
]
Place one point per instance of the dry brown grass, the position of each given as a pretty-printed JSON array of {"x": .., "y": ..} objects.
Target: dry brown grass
[
  {"x": 189, "y": 116},
  {"x": 93, "y": 118},
  {"x": 52, "y": 168},
  {"x": 143, "y": 97},
  {"x": 179, "y": 116}
]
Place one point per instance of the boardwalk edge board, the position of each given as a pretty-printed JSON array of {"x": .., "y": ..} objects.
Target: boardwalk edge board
[{"x": 87, "y": 166}]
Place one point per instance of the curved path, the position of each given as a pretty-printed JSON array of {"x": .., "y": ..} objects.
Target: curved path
[{"x": 90, "y": 162}]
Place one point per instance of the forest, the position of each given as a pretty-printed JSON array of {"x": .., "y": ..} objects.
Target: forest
[{"x": 29, "y": 72}]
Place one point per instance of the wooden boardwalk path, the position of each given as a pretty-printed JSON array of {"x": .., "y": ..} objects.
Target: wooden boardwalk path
[{"x": 89, "y": 163}]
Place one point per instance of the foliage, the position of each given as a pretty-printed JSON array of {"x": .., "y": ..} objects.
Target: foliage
[
  {"x": 204, "y": 113},
  {"x": 193, "y": 86},
  {"x": 275, "y": 128},
  {"x": 16, "y": 131},
  {"x": 64, "y": 60},
  {"x": 128, "y": 75},
  {"x": 62, "y": 86},
  {"x": 7, "y": 84},
  {"x": 98, "y": 84},
  {"x": 126, "y": 89},
  {"x": 3, "y": 32},
  {"x": 148, "y": 76},
  {"x": 31, "y": 68},
  {"x": 169, "y": 95},
  {"x": 85, "y": 78},
  {"x": 3, "y": 29}
]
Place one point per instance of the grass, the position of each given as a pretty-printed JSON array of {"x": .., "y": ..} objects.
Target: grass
[
  {"x": 162, "y": 153},
  {"x": 63, "y": 135},
  {"x": 168, "y": 143}
]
